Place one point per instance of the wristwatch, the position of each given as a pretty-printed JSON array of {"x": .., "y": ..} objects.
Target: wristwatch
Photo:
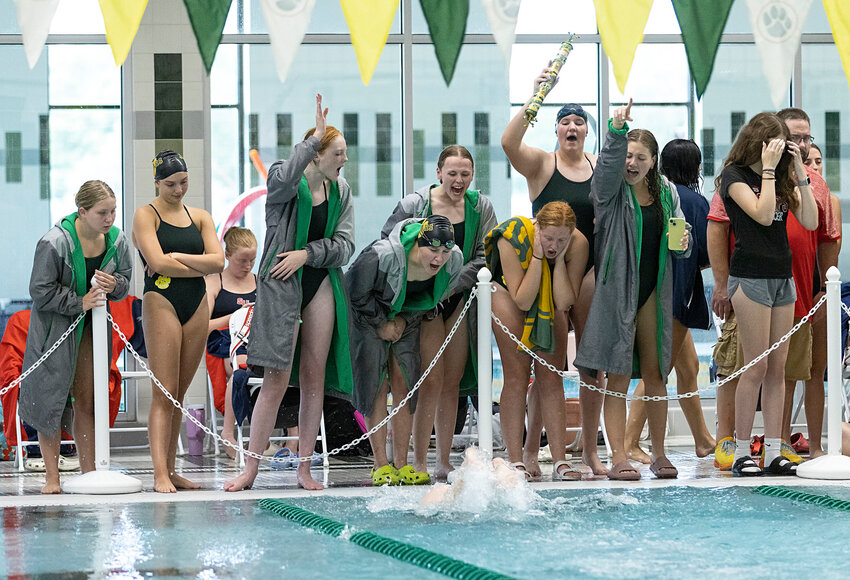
[{"x": 804, "y": 182}]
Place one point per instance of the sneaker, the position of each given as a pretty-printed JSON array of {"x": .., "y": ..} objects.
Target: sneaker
[
  {"x": 724, "y": 454},
  {"x": 781, "y": 466},
  {"x": 785, "y": 451},
  {"x": 746, "y": 467}
]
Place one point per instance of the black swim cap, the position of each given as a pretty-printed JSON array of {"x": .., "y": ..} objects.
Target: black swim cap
[
  {"x": 436, "y": 231},
  {"x": 571, "y": 109},
  {"x": 167, "y": 163}
]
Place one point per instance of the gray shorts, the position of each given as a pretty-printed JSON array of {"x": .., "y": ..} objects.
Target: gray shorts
[{"x": 770, "y": 292}]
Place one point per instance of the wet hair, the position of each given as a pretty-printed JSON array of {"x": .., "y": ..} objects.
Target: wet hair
[
  {"x": 557, "y": 214},
  {"x": 91, "y": 193},
  {"x": 236, "y": 238},
  {"x": 454, "y": 151},
  {"x": 680, "y": 161},
  {"x": 167, "y": 163},
  {"x": 747, "y": 148},
  {"x": 436, "y": 231},
  {"x": 653, "y": 176},
  {"x": 331, "y": 133},
  {"x": 794, "y": 114}
]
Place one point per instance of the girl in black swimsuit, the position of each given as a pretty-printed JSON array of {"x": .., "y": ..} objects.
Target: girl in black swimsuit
[
  {"x": 178, "y": 247},
  {"x": 227, "y": 292}
]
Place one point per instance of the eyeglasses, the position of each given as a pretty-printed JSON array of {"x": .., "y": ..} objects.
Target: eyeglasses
[
  {"x": 435, "y": 243},
  {"x": 802, "y": 139}
]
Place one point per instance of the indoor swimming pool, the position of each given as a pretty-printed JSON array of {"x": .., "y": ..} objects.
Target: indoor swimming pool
[{"x": 682, "y": 532}]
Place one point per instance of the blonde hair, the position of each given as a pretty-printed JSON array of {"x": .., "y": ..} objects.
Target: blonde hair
[
  {"x": 556, "y": 213},
  {"x": 236, "y": 238},
  {"x": 91, "y": 193}
]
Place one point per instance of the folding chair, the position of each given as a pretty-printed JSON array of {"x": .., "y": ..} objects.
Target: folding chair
[{"x": 240, "y": 329}]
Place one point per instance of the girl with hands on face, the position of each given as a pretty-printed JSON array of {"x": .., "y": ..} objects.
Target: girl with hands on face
[
  {"x": 629, "y": 328},
  {"x": 309, "y": 237},
  {"x": 759, "y": 184}
]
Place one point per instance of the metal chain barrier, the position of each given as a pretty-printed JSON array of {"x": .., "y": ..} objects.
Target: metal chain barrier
[
  {"x": 211, "y": 433},
  {"x": 43, "y": 357},
  {"x": 736, "y": 374}
]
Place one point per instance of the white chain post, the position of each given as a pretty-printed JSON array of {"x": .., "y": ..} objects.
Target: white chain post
[
  {"x": 485, "y": 363},
  {"x": 833, "y": 465}
]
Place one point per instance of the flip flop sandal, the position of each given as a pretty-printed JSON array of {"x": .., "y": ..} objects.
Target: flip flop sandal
[
  {"x": 520, "y": 466},
  {"x": 569, "y": 474},
  {"x": 624, "y": 471},
  {"x": 386, "y": 475},
  {"x": 781, "y": 466},
  {"x": 410, "y": 476},
  {"x": 663, "y": 469},
  {"x": 746, "y": 467}
]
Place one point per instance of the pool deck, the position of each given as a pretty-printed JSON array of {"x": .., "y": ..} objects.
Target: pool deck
[{"x": 348, "y": 476}]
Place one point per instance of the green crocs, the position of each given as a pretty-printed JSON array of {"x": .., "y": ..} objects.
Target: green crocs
[
  {"x": 410, "y": 476},
  {"x": 386, "y": 475}
]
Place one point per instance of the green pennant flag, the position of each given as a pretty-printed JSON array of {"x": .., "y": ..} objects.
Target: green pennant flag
[
  {"x": 702, "y": 23},
  {"x": 447, "y": 25},
  {"x": 207, "y": 18}
]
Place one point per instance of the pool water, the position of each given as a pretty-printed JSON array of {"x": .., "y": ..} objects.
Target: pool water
[{"x": 670, "y": 532}]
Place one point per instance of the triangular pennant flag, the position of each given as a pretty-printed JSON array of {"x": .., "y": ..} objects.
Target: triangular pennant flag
[
  {"x": 121, "y": 18},
  {"x": 621, "y": 27},
  {"x": 287, "y": 21},
  {"x": 447, "y": 25},
  {"x": 369, "y": 24},
  {"x": 502, "y": 15},
  {"x": 777, "y": 25},
  {"x": 838, "y": 13},
  {"x": 208, "y": 18},
  {"x": 34, "y": 18},
  {"x": 702, "y": 23}
]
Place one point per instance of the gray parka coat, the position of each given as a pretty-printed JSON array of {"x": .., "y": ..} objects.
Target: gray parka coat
[
  {"x": 373, "y": 283},
  {"x": 608, "y": 341},
  {"x": 56, "y": 304},
  {"x": 278, "y": 307}
]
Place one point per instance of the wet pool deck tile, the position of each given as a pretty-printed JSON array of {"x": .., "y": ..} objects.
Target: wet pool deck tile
[{"x": 347, "y": 476}]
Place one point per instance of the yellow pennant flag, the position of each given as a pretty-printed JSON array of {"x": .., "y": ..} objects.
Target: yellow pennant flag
[
  {"x": 838, "y": 12},
  {"x": 122, "y": 19},
  {"x": 621, "y": 27},
  {"x": 369, "y": 24}
]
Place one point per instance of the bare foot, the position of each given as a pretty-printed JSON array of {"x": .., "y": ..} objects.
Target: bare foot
[
  {"x": 637, "y": 454},
  {"x": 305, "y": 479},
  {"x": 594, "y": 463},
  {"x": 532, "y": 466},
  {"x": 181, "y": 482},
  {"x": 705, "y": 449},
  {"x": 815, "y": 453},
  {"x": 243, "y": 481},
  {"x": 230, "y": 451},
  {"x": 51, "y": 487},
  {"x": 163, "y": 485},
  {"x": 441, "y": 472}
]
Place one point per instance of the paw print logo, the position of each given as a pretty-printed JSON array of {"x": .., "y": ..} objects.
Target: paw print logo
[{"x": 777, "y": 21}]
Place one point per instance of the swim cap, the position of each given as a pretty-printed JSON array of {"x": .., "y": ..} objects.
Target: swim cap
[
  {"x": 436, "y": 231},
  {"x": 571, "y": 109},
  {"x": 167, "y": 163}
]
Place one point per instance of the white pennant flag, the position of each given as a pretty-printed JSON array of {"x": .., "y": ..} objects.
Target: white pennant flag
[
  {"x": 34, "y": 18},
  {"x": 777, "y": 25},
  {"x": 502, "y": 15},
  {"x": 287, "y": 22}
]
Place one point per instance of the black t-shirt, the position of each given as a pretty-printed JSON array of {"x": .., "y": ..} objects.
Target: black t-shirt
[{"x": 760, "y": 251}]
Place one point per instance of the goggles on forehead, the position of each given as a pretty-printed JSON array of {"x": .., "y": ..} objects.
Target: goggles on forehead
[{"x": 436, "y": 243}]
